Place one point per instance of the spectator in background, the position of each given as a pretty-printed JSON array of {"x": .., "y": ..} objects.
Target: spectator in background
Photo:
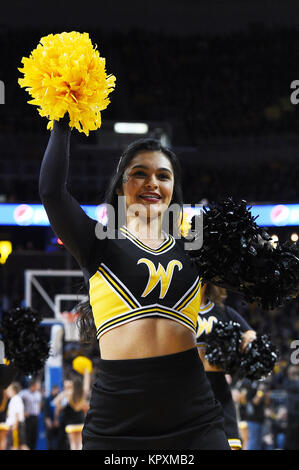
[
  {"x": 59, "y": 416},
  {"x": 255, "y": 412},
  {"x": 239, "y": 392},
  {"x": 292, "y": 388},
  {"x": 32, "y": 398},
  {"x": 278, "y": 427},
  {"x": 4, "y": 428},
  {"x": 51, "y": 424},
  {"x": 15, "y": 419},
  {"x": 72, "y": 402}
]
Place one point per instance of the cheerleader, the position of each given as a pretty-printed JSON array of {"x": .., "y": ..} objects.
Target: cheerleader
[
  {"x": 212, "y": 310},
  {"x": 147, "y": 395},
  {"x": 152, "y": 391},
  {"x": 15, "y": 419},
  {"x": 72, "y": 402},
  {"x": 4, "y": 428}
]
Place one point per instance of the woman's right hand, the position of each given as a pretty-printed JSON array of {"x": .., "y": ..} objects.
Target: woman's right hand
[
  {"x": 62, "y": 124},
  {"x": 247, "y": 337}
]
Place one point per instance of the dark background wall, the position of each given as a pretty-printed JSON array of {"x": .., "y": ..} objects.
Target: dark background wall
[{"x": 171, "y": 16}]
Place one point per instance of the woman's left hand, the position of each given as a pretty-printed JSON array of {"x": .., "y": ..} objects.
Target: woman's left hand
[{"x": 247, "y": 337}]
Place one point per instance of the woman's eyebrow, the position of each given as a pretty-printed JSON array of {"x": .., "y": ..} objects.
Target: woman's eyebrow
[{"x": 146, "y": 168}]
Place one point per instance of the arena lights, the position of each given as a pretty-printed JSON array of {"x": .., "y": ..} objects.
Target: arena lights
[
  {"x": 294, "y": 237},
  {"x": 131, "y": 128},
  {"x": 34, "y": 215},
  {"x": 274, "y": 239},
  {"x": 5, "y": 250}
]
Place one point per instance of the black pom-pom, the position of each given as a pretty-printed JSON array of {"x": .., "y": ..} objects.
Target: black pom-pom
[
  {"x": 7, "y": 375},
  {"x": 259, "y": 359},
  {"x": 26, "y": 345},
  {"x": 224, "y": 350},
  {"x": 237, "y": 254}
]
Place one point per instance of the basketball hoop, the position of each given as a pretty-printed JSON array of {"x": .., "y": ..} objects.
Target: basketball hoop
[{"x": 71, "y": 331}]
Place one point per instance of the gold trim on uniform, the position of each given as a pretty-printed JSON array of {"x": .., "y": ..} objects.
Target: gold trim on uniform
[
  {"x": 166, "y": 245},
  {"x": 236, "y": 443},
  {"x": 206, "y": 308},
  {"x": 201, "y": 345},
  {"x": 157, "y": 310},
  {"x": 73, "y": 428},
  {"x": 15, "y": 438},
  {"x": 187, "y": 297},
  {"x": 118, "y": 286},
  {"x": 4, "y": 427},
  {"x": 113, "y": 304}
]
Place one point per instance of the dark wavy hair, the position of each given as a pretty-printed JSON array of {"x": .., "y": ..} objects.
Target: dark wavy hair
[
  {"x": 85, "y": 321},
  {"x": 152, "y": 145}
]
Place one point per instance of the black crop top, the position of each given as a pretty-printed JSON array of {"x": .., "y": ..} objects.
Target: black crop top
[
  {"x": 127, "y": 280},
  {"x": 209, "y": 314}
]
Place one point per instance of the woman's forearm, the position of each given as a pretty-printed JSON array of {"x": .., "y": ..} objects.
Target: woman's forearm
[
  {"x": 68, "y": 220},
  {"x": 55, "y": 164}
]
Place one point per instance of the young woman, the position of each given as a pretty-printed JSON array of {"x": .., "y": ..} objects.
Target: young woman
[
  {"x": 72, "y": 402},
  {"x": 152, "y": 391},
  {"x": 15, "y": 419},
  {"x": 4, "y": 428},
  {"x": 212, "y": 310}
]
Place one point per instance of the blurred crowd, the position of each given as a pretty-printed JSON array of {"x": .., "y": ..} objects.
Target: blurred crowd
[
  {"x": 30, "y": 418},
  {"x": 268, "y": 410},
  {"x": 231, "y": 86}
]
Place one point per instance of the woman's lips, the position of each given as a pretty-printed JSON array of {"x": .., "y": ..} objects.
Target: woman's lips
[{"x": 150, "y": 198}]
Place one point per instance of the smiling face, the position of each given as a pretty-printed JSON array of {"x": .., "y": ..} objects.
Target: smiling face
[{"x": 148, "y": 181}]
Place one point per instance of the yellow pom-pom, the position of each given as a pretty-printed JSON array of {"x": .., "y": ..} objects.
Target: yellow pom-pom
[
  {"x": 65, "y": 73},
  {"x": 185, "y": 225},
  {"x": 81, "y": 364}
]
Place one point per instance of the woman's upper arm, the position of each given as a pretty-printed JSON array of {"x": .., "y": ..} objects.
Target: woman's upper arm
[
  {"x": 236, "y": 317},
  {"x": 72, "y": 225},
  {"x": 68, "y": 220}
]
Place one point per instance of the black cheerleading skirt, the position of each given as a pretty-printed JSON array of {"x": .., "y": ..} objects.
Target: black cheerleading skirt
[
  {"x": 163, "y": 402},
  {"x": 223, "y": 394},
  {"x": 71, "y": 416}
]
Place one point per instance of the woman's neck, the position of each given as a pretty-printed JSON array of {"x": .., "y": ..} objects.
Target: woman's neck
[{"x": 146, "y": 230}]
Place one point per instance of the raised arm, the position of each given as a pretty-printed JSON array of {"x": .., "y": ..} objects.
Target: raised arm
[{"x": 67, "y": 218}]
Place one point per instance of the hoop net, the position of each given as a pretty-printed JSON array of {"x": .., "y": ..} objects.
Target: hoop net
[{"x": 70, "y": 327}]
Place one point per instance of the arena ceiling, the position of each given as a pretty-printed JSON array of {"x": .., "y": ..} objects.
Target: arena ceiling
[{"x": 172, "y": 16}]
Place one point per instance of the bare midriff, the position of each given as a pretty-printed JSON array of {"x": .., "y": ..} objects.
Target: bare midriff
[{"x": 148, "y": 337}]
